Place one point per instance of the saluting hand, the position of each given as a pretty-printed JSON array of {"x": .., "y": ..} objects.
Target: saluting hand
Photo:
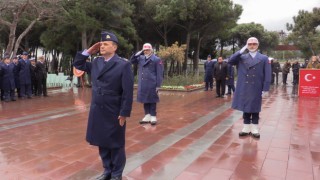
[
  {"x": 94, "y": 48},
  {"x": 243, "y": 49},
  {"x": 122, "y": 120}
]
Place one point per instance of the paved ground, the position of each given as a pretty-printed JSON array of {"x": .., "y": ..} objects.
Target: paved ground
[{"x": 196, "y": 138}]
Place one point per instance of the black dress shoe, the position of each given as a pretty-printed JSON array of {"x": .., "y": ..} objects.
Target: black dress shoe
[
  {"x": 243, "y": 133},
  {"x": 116, "y": 178},
  {"x": 255, "y": 135},
  {"x": 222, "y": 96},
  {"x": 217, "y": 96},
  {"x": 104, "y": 177}
]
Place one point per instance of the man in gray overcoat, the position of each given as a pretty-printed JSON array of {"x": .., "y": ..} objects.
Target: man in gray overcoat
[
  {"x": 111, "y": 104},
  {"x": 150, "y": 79},
  {"x": 254, "y": 77}
]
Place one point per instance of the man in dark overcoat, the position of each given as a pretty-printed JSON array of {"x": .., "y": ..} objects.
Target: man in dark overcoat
[
  {"x": 208, "y": 73},
  {"x": 285, "y": 71},
  {"x": 230, "y": 81},
  {"x": 295, "y": 72},
  {"x": 220, "y": 74},
  {"x": 15, "y": 61},
  {"x": 24, "y": 69},
  {"x": 7, "y": 84},
  {"x": 34, "y": 80},
  {"x": 111, "y": 104},
  {"x": 254, "y": 77},
  {"x": 149, "y": 81},
  {"x": 276, "y": 68},
  {"x": 41, "y": 74}
]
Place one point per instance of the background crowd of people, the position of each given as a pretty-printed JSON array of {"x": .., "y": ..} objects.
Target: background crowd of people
[
  {"x": 22, "y": 77},
  {"x": 212, "y": 73}
]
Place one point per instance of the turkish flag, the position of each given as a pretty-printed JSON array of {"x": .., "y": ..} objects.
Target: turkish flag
[{"x": 309, "y": 82}]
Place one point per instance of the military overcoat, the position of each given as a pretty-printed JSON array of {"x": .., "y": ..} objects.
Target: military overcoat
[
  {"x": 150, "y": 77},
  {"x": 112, "y": 94},
  {"x": 254, "y": 76},
  {"x": 24, "y": 69},
  {"x": 7, "y": 74}
]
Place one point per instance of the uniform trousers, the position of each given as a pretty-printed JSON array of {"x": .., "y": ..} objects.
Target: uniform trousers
[
  {"x": 209, "y": 84},
  {"x": 220, "y": 87},
  {"x": 9, "y": 95},
  {"x": 113, "y": 160},
  {"x": 42, "y": 86},
  {"x": 150, "y": 108},
  {"x": 231, "y": 88},
  {"x": 25, "y": 89},
  {"x": 250, "y": 118}
]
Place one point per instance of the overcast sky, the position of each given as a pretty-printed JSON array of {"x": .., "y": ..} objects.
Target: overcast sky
[{"x": 273, "y": 14}]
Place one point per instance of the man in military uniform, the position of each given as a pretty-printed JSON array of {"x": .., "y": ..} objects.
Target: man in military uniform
[
  {"x": 24, "y": 69},
  {"x": 15, "y": 62},
  {"x": 150, "y": 79},
  {"x": 7, "y": 74},
  {"x": 111, "y": 104},
  {"x": 208, "y": 73},
  {"x": 254, "y": 75},
  {"x": 230, "y": 81}
]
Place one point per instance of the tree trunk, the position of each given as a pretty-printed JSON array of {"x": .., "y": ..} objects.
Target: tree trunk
[
  {"x": 17, "y": 44},
  {"x": 165, "y": 38},
  {"x": 233, "y": 48},
  {"x": 221, "y": 48},
  {"x": 185, "y": 63},
  {"x": 12, "y": 37},
  {"x": 196, "y": 58},
  {"x": 84, "y": 42}
]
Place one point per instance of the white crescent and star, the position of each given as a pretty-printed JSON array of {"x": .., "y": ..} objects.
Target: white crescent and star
[{"x": 306, "y": 77}]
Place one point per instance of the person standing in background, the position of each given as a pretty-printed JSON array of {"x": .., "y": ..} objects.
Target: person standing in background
[
  {"x": 295, "y": 71},
  {"x": 149, "y": 82},
  {"x": 41, "y": 74},
  {"x": 7, "y": 74},
  {"x": 15, "y": 62},
  {"x": 285, "y": 71},
  {"x": 208, "y": 73},
  {"x": 24, "y": 69},
  {"x": 314, "y": 63},
  {"x": 230, "y": 81},
  {"x": 34, "y": 80},
  {"x": 220, "y": 74}
]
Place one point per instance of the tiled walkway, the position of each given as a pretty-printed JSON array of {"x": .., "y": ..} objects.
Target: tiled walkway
[{"x": 196, "y": 138}]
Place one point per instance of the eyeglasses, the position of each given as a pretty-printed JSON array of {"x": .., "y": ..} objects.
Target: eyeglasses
[{"x": 252, "y": 44}]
